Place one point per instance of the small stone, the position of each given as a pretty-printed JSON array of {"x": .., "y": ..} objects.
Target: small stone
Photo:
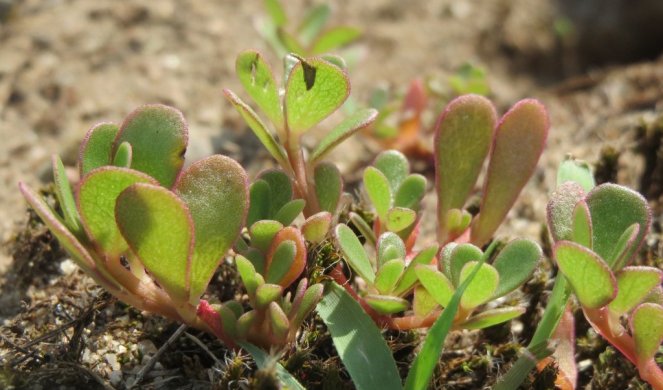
[
  {"x": 111, "y": 359},
  {"x": 67, "y": 267},
  {"x": 115, "y": 377}
]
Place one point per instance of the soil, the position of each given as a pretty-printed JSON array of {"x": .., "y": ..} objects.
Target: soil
[{"x": 67, "y": 64}]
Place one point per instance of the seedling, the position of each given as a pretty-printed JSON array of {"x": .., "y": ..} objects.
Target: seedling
[
  {"x": 309, "y": 38},
  {"x": 149, "y": 232},
  {"x": 314, "y": 89}
]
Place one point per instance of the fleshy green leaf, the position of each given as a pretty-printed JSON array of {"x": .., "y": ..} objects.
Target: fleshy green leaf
[
  {"x": 623, "y": 247},
  {"x": 591, "y": 278},
  {"x": 335, "y": 38},
  {"x": 582, "y": 225},
  {"x": 258, "y": 80},
  {"x": 359, "y": 120},
  {"x": 287, "y": 214},
  {"x": 158, "y": 136},
  {"x": 384, "y": 304},
  {"x": 576, "y": 171},
  {"x": 276, "y": 12},
  {"x": 259, "y": 128},
  {"x": 461, "y": 255},
  {"x": 422, "y": 303},
  {"x": 390, "y": 247},
  {"x": 647, "y": 326},
  {"x": 263, "y": 232},
  {"x": 483, "y": 286},
  {"x": 282, "y": 259},
  {"x": 614, "y": 209},
  {"x": 560, "y": 210},
  {"x": 492, "y": 317},
  {"x": 248, "y": 274},
  {"x": 159, "y": 229},
  {"x": 266, "y": 294},
  {"x": 463, "y": 136},
  {"x": 244, "y": 324},
  {"x": 316, "y": 227},
  {"x": 296, "y": 267},
  {"x": 633, "y": 286},
  {"x": 96, "y": 199},
  {"x": 358, "y": 341},
  {"x": 260, "y": 197},
  {"x": 458, "y": 221},
  {"x": 257, "y": 258},
  {"x": 394, "y": 166},
  {"x": 411, "y": 192},
  {"x": 97, "y": 146},
  {"x": 315, "y": 89},
  {"x": 280, "y": 189},
  {"x": 378, "y": 189},
  {"x": 278, "y": 321},
  {"x": 123, "y": 155},
  {"x": 515, "y": 264},
  {"x": 328, "y": 186},
  {"x": 354, "y": 253},
  {"x": 424, "y": 257},
  {"x": 65, "y": 196},
  {"x": 388, "y": 275},
  {"x": 215, "y": 191},
  {"x": 519, "y": 141},
  {"x": 399, "y": 219},
  {"x": 364, "y": 229},
  {"x": 436, "y": 283},
  {"x": 311, "y": 298},
  {"x": 421, "y": 371}
]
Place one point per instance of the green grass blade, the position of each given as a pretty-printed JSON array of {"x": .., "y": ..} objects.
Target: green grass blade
[
  {"x": 424, "y": 364},
  {"x": 358, "y": 341},
  {"x": 263, "y": 361}
]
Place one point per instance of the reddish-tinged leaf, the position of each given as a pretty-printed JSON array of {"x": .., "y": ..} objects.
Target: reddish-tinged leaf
[
  {"x": 560, "y": 210},
  {"x": 647, "y": 327},
  {"x": 463, "y": 135},
  {"x": 158, "y": 227},
  {"x": 158, "y": 136},
  {"x": 316, "y": 227},
  {"x": 590, "y": 276},
  {"x": 634, "y": 285},
  {"x": 519, "y": 141},
  {"x": 493, "y": 317},
  {"x": 299, "y": 262},
  {"x": 215, "y": 191}
]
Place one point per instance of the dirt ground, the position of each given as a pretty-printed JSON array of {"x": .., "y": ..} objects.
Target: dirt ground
[{"x": 68, "y": 64}]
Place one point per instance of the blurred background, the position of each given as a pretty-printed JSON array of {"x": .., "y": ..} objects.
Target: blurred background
[{"x": 67, "y": 64}]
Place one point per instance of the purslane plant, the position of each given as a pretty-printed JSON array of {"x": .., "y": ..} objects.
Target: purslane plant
[{"x": 149, "y": 232}]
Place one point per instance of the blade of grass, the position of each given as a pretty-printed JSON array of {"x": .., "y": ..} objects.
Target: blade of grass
[
  {"x": 358, "y": 341},
  {"x": 424, "y": 364},
  {"x": 263, "y": 361}
]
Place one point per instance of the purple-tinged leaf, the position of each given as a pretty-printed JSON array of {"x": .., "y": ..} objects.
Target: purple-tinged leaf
[
  {"x": 515, "y": 263},
  {"x": 519, "y": 141},
  {"x": 215, "y": 191},
  {"x": 384, "y": 304},
  {"x": 560, "y": 210},
  {"x": 463, "y": 135},
  {"x": 647, "y": 327},
  {"x": 492, "y": 317},
  {"x": 258, "y": 80},
  {"x": 315, "y": 89},
  {"x": 359, "y": 120},
  {"x": 614, "y": 209},
  {"x": 299, "y": 262},
  {"x": 482, "y": 287},
  {"x": 316, "y": 227},
  {"x": 634, "y": 285},
  {"x": 409, "y": 278},
  {"x": 328, "y": 186},
  {"x": 354, "y": 253},
  {"x": 158, "y": 136},
  {"x": 96, "y": 199},
  {"x": 394, "y": 166},
  {"x": 96, "y": 148},
  {"x": 582, "y": 225},
  {"x": 158, "y": 227},
  {"x": 592, "y": 281},
  {"x": 258, "y": 127}
]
